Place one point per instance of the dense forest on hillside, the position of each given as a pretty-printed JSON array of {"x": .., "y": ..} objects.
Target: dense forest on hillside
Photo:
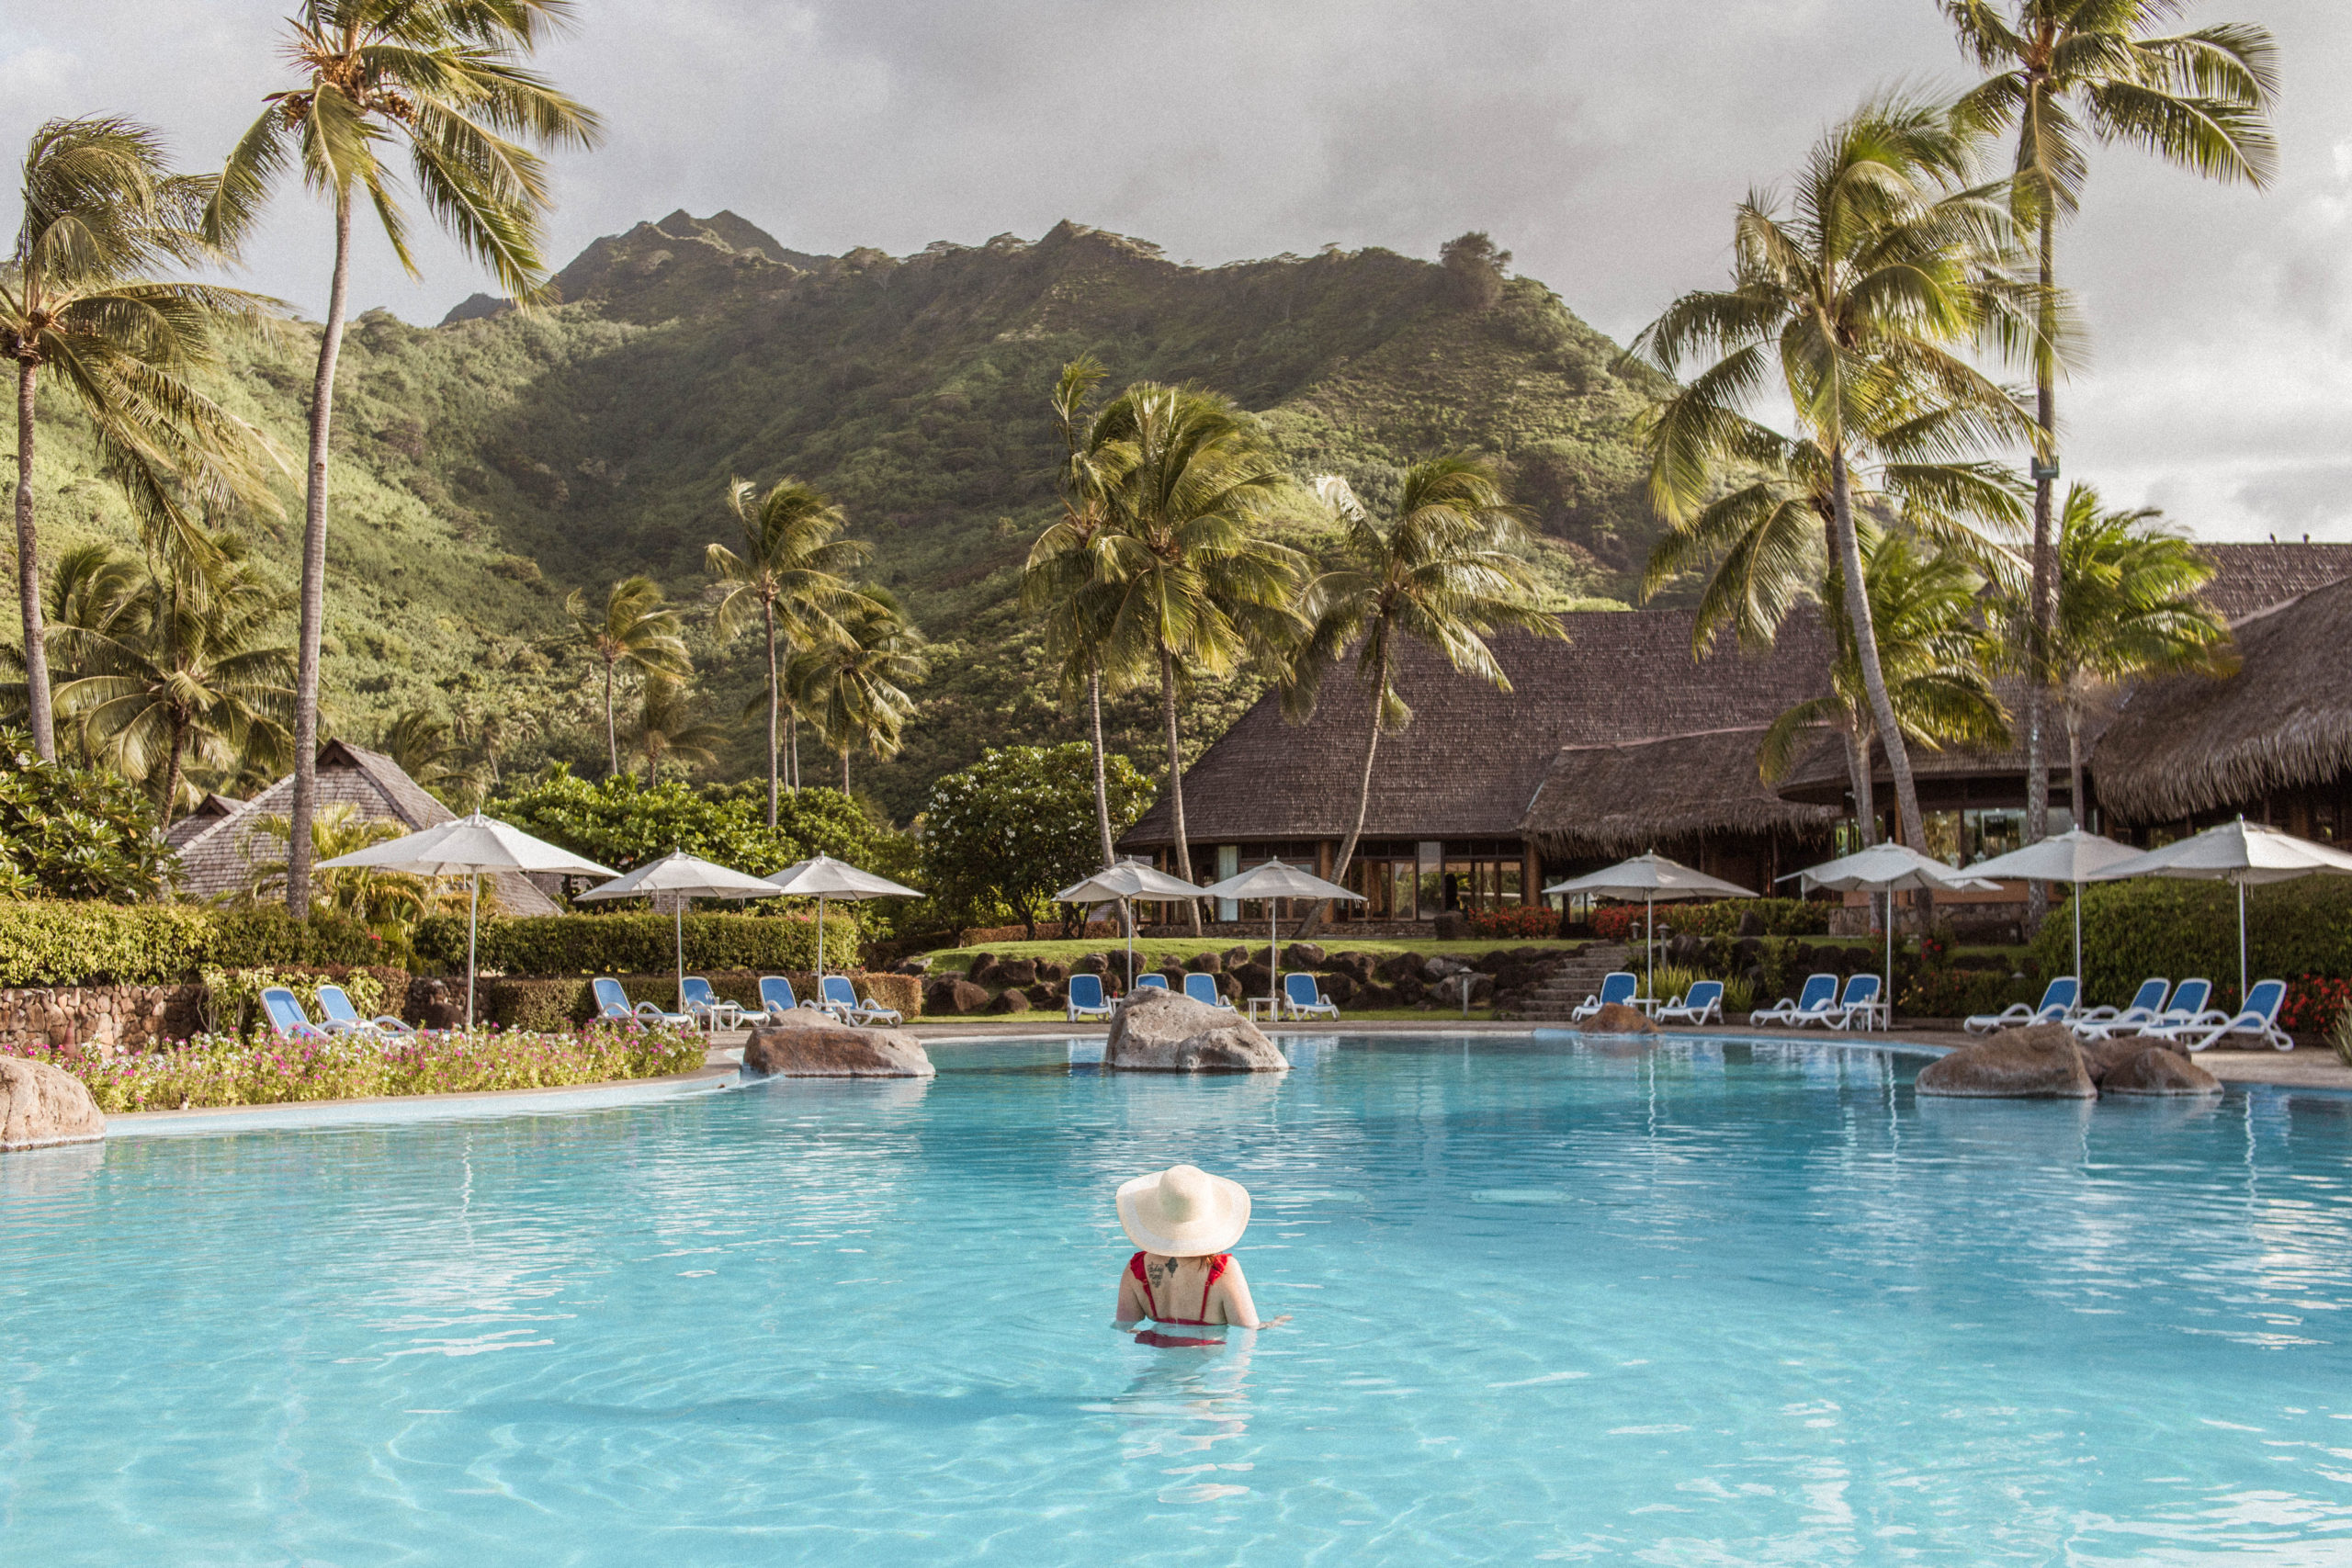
[{"x": 491, "y": 464}]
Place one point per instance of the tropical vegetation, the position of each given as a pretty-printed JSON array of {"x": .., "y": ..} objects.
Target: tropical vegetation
[{"x": 1002, "y": 836}]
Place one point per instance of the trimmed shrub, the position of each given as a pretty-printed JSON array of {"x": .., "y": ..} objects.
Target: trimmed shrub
[
  {"x": 265, "y": 935},
  {"x": 1526, "y": 921},
  {"x": 547, "y": 946},
  {"x": 1962, "y": 993},
  {"x": 1779, "y": 917},
  {"x": 232, "y": 997},
  {"x": 55, "y": 942},
  {"x": 2156, "y": 926}
]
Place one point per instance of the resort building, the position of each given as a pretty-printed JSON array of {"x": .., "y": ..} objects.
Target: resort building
[{"x": 1620, "y": 739}]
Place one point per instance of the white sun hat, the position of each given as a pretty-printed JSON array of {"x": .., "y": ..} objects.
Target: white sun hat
[{"x": 1184, "y": 1211}]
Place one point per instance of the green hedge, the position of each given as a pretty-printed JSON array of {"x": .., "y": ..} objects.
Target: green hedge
[
  {"x": 2152, "y": 926},
  {"x": 554, "y": 1004},
  {"x": 541, "y": 945},
  {"x": 54, "y": 943},
  {"x": 1779, "y": 917}
]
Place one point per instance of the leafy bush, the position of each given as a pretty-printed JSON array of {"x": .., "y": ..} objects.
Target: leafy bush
[
  {"x": 1672, "y": 980},
  {"x": 2313, "y": 1002},
  {"x": 232, "y": 997},
  {"x": 1525, "y": 921},
  {"x": 639, "y": 943},
  {"x": 1779, "y": 917},
  {"x": 1962, "y": 993},
  {"x": 1739, "y": 997},
  {"x": 264, "y": 935},
  {"x": 60, "y": 943},
  {"x": 2155, "y": 926},
  {"x": 1619, "y": 923},
  {"x": 68, "y": 833},
  {"x": 622, "y": 822},
  {"x": 1019, "y": 824}
]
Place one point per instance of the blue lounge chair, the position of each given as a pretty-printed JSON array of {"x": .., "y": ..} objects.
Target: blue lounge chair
[
  {"x": 2258, "y": 1018},
  {"x": 702, "y": 1003},
  {"x": 2105, "y": 1024},
  {"x": 2188, "y": 1006},
  {"x": 1202, "y": 988},
  {"x": 1702, "y": 1004},
  {"x": 1819, "y": 996},
  {"x": 612, "y": 1006},
  {"x": 1151, "y": 981},
  {"x": 776, "y": 995},
  {"x": 2058, "y": 1000},
  {"x": 1303, "y": 998},
  {"x": 840, "y": 1001},
  {"x": 1085, "y": 1000},
  {"x": 1861, "y": 1001},
  {"x": 1618, "y": 988},
  {"x": 286, "y": 1018},
  {"x": 343, "y": 1018}
]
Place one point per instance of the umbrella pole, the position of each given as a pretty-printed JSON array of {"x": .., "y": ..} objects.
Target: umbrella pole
[
  {"x": 2078, "y": 942},
  {"x": 678, "y": 909},
  {"x": 1889, "y": 982},
  {"x": 2241, "y": 942},
  {"x": 473, "y": 909},
  {"x": 820, "y": 947},
  {"x": 1649, "y": 946}
]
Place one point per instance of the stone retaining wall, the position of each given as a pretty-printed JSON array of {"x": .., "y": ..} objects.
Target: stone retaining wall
[{"x": 133, "y": 1016}]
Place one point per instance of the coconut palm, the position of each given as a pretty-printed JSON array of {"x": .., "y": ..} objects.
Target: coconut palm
[
  {"x": 2126, "y": 608},
  {"x": 429, "y": 750},
  {"x": 854, "y": 692},
  {"x": 444, "y": 80},
  {"x": 1446, "y": 571},
  {"x": 2066, "y": 73},
  {"x": 667, "y": 731},
  {"x": 1194, "y": 588},
  {"x": 631, "y": 626},
  {"x": 188, "y": 671},
  {"x": 1859, "y": 304},
  {"x": 92, "y": 586},
  {"x": 387, "y": 903},
  {"x": 792, "y": 575},
  {"x": 102, "y": 212}
]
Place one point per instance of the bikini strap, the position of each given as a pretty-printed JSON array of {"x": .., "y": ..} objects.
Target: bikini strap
[
  {"x": 1216, "y": 1269},
  {"x": 1143, "y": 1277}
]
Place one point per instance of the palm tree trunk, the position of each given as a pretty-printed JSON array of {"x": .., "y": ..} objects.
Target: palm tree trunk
[
  {"x": 1858, "y": 614},
  {"x": 314, "y": 581},
  {"x": 1363, "y": 800},
  {"x": 611, "y": 732},
  {"x": 767, "y": 608},
  {"x": 844, "y": 770},
  {"x": 2074, "y": 765},
  {"x": 1857, "y": 774},
  {"x": 2037, "y": 700},
  {"x": 28, "y": 576},
  {"x": 1102, "y": 782},
  {"x": 792, "y": 738},
  {"x": 172, "y": 773},
  {"x": 1176, "y": 778}
]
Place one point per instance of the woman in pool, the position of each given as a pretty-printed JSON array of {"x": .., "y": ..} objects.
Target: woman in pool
[{"x": 1184, "y": 1218}]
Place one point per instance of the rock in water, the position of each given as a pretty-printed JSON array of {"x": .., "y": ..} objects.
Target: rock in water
[
  {"x": 1158, "y": 1031},
  {"x": 2040, "y": 1062},
  {"x": 806, "y": 1043},
  {"x": 1617, "y": 1018},
  {"x": 2101, "y": 1058},
  {"x": 41, "y": 1105},
  {"x": 2158, "y": 1070}
]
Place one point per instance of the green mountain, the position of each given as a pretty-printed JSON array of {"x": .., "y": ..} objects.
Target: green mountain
[{"x": 488, "y": 465}]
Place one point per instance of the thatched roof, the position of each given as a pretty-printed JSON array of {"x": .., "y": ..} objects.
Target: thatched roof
[
  {"x": 2249, "y": 578},
  {"x": 221, "y": 857},
  {"x": 203, "y": 814},
  {"x": 1470, "y": 764},
  {"x": 1623, "y": 797},
  {"x": 2190, "y": 743}
]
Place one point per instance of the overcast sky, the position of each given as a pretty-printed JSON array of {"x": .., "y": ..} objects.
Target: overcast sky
[{"x": 1602, "y": 142}]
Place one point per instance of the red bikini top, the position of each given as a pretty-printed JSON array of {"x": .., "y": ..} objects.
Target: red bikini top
[{"x": 1216, "y": 1269}]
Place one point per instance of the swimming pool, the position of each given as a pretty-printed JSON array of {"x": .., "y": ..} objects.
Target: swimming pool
[{"x": 1707, "y": 1303}]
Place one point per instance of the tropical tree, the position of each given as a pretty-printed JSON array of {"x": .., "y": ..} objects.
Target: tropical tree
[
  {"x": 1858, "y": 303},
  {"x": 1446, "y": 573},
  {"x": 855, "y": 691},
  {"x": 189, "y": 671},
  {"x": 445, "y": 79},
  {"x": 791, "y": 574},
  {"x": 667, "y": 729},
  {"x": 1195, "y": 589},
  {"x": 387, "y": 903},
  {"x": 2065, "y": 74},
  {"x": 633, "y": 628},
  {"x": 90, "y": 585},
  {"x": 75, "y": 832},
  {"x": 2126, "y": 608},
  {"x": 102, "y": 213},
  {"x": 429, "y": 750},
  {"x": 1003, "y": 835}
]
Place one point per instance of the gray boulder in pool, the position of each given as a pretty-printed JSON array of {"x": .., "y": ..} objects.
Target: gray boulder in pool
[
  {"x": 2158, "y": 1070},
  {"x": 806, "y": 1043},
  {"x": 1160, "y": 1032},
  {"x": 41, "y": 1105},
  {"x": 2041, "y": 1063}
]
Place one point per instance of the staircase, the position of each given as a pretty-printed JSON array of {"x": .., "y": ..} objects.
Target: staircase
[{"x": 1578, "y": 976}]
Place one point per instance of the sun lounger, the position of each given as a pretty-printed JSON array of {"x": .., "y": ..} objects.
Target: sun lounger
[
  {"x": 1086, "y": 999},
  {"x": 1618, "y": 988},
  {"x": 2258, "y": 1018},
  {"x": 2058, "y": 999},
  {"x": 1302, "y": 997},
  {"x": 612, "y": 1006},
  {"x": 1151, "y": 981},
  {"x": 343, "y": 1018},
  {"x": 286, "y": 1018},
  {"x": 776, "y": 995},
  {"x": 1818, "y": 996},
  {"x": 840, "y": 1001},
  {"x": 2105, "y": 1024},
  {"x": 1202, "y": 988},
  {"x": 704, "y": 1005},
  {"x": 1703, "y": 1003},
  {"x": 1859, "y": 1003}
]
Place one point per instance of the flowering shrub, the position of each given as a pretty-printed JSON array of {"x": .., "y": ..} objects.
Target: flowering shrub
[
  {"x": 2313, "y": 1003},
  {"x": 1619, "y": 923},
  {"x": 1525, "y": 921},
  {"x": 214, "y": 1070}
]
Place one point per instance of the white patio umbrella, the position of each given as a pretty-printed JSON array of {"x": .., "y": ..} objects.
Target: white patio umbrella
[
  {"x": 680, "y": 876},
  {"x": 1890, "y": 868},
  {"x": 821, "y": 877},
  {"x": 468, "y": 846},
  {"x": 2240, "y": 851},
  {"x": 1650, "y": 877},
  {"x": 1130, "y": 878},
  {"x": 1272, "y": 881},
  {"x": 2072, "y": 856}
]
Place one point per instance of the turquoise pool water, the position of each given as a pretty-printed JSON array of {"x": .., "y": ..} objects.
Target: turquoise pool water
[{"x": 1713, "y": 1303}]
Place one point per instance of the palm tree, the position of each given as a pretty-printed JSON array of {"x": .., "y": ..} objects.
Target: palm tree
[
  {"x": 445, "y": 78},
  {"x": 429, "y": 750},
  {"x": 2126, "y": 608},
  {"x": 185, "y": 672},
  {"x": 2066, "y": 73},
  {"x": 633, "y": 628},
  {"x": 385, "y": 902},
  {"x": 792, "y": 575},
  {"x": 90, "y": 586},
  {"x": 1187, "y": 479},
  {"x": 1857, "y": 304},
  {"x": 1445, "y": 572},
  {"x": 855, "y": 693},
  {"x": 666, "y": 729},
  {"x": 103, "y": 210}
]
